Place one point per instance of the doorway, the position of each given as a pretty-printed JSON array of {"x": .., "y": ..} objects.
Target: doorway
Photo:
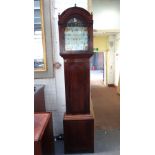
[
  {"x": 97, "y": 67},
  {"x": 104, "y": 97}
]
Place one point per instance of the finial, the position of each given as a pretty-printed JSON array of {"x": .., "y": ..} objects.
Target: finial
[{"x": 75, "y": 4}]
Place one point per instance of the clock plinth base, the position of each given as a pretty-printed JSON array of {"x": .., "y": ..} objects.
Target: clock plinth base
[{"x": 78, "y": 133}]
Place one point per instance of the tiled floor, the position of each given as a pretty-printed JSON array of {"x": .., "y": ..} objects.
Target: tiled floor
[{"x": 106, "y": 143}]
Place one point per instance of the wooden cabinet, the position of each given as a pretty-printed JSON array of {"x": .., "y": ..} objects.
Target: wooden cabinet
[
  {"x": 76, "y": 48},
  {"x": 39, "y": 99},
  {"x": 43, "y": 134}
]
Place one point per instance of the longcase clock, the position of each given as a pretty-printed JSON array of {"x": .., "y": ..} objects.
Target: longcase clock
[{"x": 76, "y": 48}]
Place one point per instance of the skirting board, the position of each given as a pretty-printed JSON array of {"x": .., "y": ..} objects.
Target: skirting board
[{"x": 111, "y": 85}]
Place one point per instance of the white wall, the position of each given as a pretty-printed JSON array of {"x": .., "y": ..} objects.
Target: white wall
[
  {"x": 113, "y": 68},
  {"x": 111, "y": 60},
  {"x": 60, "y": 5},
  {"x": 117, "y": 59},
  {"x": 50, "y": 100},
  {"x": 106, "y": 14},
  {"x": 105, "y": 68}
]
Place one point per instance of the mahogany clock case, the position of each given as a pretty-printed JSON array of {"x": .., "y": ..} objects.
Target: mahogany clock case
[{"x": 76, "y": 48}]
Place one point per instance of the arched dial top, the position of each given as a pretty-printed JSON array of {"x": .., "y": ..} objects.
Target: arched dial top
[
  {"x": 77, "y": 12},
  {"x": 75, "y": 31}
]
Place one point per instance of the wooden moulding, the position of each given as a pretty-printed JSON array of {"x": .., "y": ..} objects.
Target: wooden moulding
[
  {"x": 111, "y": 85},
  {"x": 78, "y": 117}
]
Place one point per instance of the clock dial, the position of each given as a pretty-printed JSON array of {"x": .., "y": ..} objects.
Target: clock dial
[{"x": 76, "y": 35}]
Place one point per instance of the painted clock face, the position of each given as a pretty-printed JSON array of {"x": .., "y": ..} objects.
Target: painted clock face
[{"x": 76, "y": 35}]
